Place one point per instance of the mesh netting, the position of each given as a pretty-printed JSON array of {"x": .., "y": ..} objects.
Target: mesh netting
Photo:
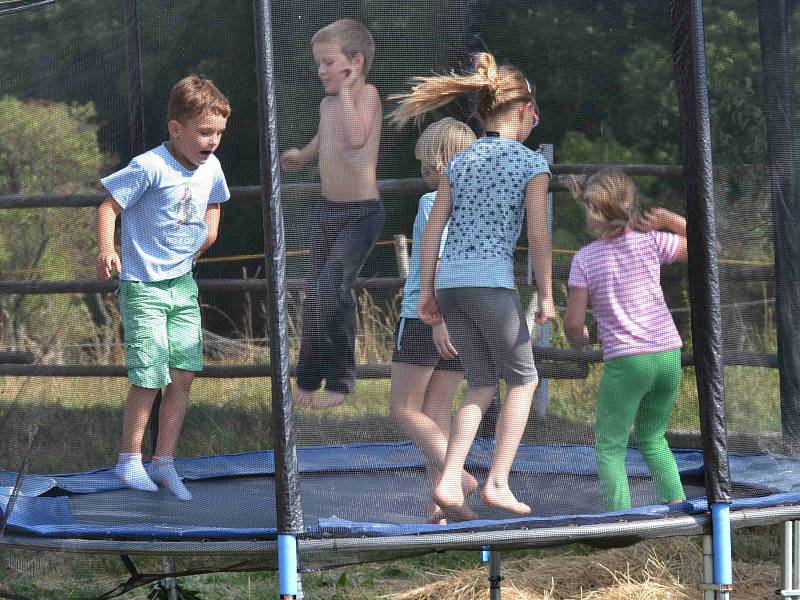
[{"x": 603, "y": 72}]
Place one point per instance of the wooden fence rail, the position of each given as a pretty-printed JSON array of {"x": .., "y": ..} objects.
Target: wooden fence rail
[
  {"x": 410, "y": 186},
  {"x": 552, "y": 363}
]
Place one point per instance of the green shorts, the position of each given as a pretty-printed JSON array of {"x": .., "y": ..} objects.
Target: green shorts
[{"x": 162, "y": 329}]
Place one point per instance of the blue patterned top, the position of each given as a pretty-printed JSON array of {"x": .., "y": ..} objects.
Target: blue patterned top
[{"x": 487, "y": 186}]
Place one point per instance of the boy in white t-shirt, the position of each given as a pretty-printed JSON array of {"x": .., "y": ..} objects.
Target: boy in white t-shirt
[{"x": 169, "y": 198}]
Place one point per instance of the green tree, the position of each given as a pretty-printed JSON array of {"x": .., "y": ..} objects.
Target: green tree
[{"x": 46, "y": 147}]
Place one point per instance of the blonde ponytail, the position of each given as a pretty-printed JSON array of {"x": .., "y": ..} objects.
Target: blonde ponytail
[{"x": 496, "y": 88}]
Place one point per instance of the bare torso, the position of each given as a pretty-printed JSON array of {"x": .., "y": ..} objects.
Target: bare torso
[{"x": 347, "y": 173}]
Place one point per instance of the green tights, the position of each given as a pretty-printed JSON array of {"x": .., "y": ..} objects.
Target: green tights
[{"x": 637, "y": 390}]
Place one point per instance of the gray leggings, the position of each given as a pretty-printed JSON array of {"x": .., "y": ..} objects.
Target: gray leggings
[{"x": 488, "y": 329}]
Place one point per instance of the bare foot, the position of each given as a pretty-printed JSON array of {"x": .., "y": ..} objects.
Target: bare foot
[
  {"x": 435, "y": 515},
  {"x": 329, "y": 399},
  {"x": 502, "y": 497},
  {"x": 304, "y": 398},
  {"x": 469, "y": 485},
  {"x": 450, "y": 497}
]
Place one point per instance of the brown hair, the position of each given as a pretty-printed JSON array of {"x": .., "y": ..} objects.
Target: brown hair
[
  {"x": 351, "y": 36},
  {"x": 193, "y": 95},
  {"x": 497, "y": 88},
  {"x": 611, "y": 201},
  {"x": 442, "y": 140}
]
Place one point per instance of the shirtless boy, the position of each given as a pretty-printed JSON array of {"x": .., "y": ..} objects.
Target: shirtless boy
[{"x": 347, "y": 220}]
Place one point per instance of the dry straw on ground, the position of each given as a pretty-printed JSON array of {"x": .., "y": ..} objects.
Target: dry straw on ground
[{"x": 657, "y": 570}]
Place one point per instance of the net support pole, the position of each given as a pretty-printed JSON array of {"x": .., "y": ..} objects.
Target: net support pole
[
  {"x": 130, "y": 10},
  {"x": 782, "y": 152},
  {"x": 541, "y": 334},
  {"x": 723, "y": 557},
  {"x": 287, "y": 479},
  {"x": 133, "y": 57},
  {"x": 689, "y": 60}
]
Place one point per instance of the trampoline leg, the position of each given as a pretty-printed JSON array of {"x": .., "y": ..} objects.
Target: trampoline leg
[
  {"x": 708, "y": 568},
  {"x": 795, "y": 578},
  {"x": 170, "y": 584},
  {"x": 493, "y": 558},
  {"x": 721, "y": 540},
  {"x": 288, "y": 577},
  {"x": 790, "y": 560}
]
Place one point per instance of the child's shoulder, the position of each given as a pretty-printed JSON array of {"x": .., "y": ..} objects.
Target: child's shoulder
[
  {"x": 426, "y": 201},
  {"x": 369, "y": 95},
  {"x": 152, "y": 159}
]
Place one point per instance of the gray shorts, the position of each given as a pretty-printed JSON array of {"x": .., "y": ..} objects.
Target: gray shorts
[{"x": 489, "y": 331}]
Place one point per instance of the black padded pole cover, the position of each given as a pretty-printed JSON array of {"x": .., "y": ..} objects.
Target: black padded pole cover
[
  {"x": 130, "y": 9},
  {"x": 287, "y": 480},
  {"x": 777, "y": 73},
  {"x": 688, "y": 55}
]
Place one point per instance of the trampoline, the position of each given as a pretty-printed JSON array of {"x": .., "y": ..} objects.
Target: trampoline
[
  {"x": 277, "y": 487},
  {"x": 338, "y": 480}
]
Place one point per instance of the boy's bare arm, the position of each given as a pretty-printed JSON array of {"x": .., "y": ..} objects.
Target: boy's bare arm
[
  {"x": 211, "y": 218},
  {"x": 359, "y": 114},
  {"x": 295, "y": 159},
  {"x": 108, "y": 260}
]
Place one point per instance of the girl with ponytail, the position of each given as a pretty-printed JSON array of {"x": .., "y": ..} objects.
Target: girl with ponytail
[{"x": 485, "y": 192}]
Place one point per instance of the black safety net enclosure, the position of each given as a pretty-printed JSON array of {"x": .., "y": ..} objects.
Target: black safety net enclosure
[{"x": 325, "y": 408}]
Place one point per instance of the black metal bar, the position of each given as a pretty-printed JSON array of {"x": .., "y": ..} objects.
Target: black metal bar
[
  {"x": 288, "y": 502},
  {"x": 688, "y": 53},
  {"x": 782, "y": 149}
]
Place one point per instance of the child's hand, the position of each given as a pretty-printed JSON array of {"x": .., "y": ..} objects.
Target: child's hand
[
  {"x": 108, "y": 264},
  {"x": 659, "y": 218},
  {"x": 546, "y": 312},
  {"x": 441, "y": 338},
  {"x": 292, "y": 160},
  {"x": 428, "y": 309}
]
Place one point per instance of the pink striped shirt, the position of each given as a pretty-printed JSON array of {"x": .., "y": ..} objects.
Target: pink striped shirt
[{"x": 622, "y": 278}]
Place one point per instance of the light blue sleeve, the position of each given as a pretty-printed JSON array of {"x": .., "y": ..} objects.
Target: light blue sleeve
[
  {"x": 219, "y": 190},
  {"x": 536, "y": 165},
  {"x": 127, "y": 185}
]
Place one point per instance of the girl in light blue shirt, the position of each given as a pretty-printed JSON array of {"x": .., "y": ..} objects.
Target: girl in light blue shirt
[{"x": 485, "y": 193}]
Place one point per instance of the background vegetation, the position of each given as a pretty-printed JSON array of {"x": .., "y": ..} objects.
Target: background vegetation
[{"x": 605, "y": 82}]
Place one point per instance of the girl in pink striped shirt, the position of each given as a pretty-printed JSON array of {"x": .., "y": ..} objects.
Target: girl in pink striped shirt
[{"x": 619, "y": 275}]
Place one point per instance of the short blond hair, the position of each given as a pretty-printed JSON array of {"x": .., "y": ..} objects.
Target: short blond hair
[
  {"x": 352, "y": 38},
  {"x": 442, "y": 140},
  {"x": 612, "y": 203},
  {"x": 194, "y": 95}
]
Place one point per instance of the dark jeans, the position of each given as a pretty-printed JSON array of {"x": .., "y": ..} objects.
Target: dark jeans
[{"x": 342, "y": 236}]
